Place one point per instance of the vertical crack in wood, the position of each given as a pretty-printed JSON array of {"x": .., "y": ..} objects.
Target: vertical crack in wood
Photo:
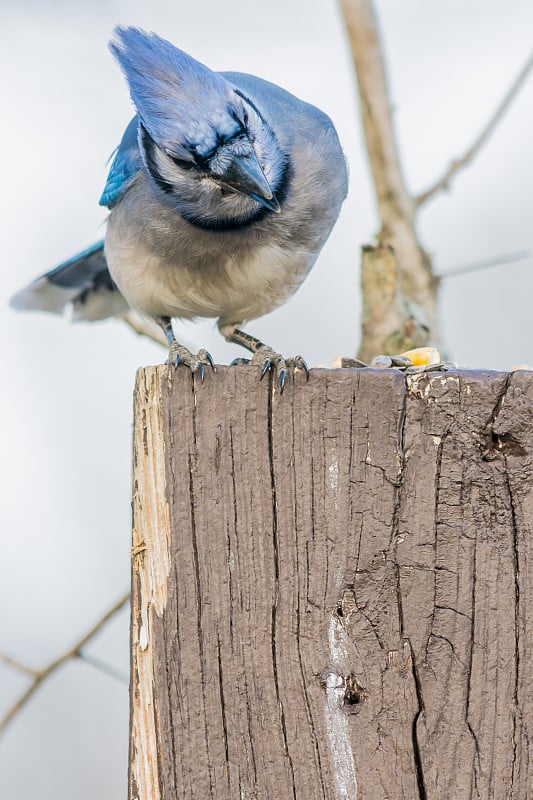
[
  {"x": 500, "y": 402},
  {"x": 308, "y": 710},
  {"x": 249, "y": 716},
  {"x": 249, "y": 720},
  {"x": 395, "y": 528},
  {"x": 222, "y": 702},
  {"x": 473, "y": 602},
  {"x": 469, "y": 725},
  {"x": 231, "y": 555},
  {"x": 416, "y": 744},
  {"x": 498, "y": 442},
  {"x": 198, "y": 588},
  {"x": 517, "y": 610},
  {"x": 275, "y": 546},
  {"x": 398, "y": 501}
]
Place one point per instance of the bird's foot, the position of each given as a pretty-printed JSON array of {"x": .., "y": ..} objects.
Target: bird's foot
[
  {"x": 178, "y": 354},
  {"x": 267, "y": 358}
]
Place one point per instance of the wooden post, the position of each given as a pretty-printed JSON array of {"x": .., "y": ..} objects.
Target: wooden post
[{"x": 332, "y": 588}]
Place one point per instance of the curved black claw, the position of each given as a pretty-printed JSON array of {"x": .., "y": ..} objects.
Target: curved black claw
[
  {"x": 298, "y": 362},
  {"x": 239, "y": 362},
  {"x": 178, "y": 354},
  {"x": 267, "y": 358},
  {"x": 205, "y": 359},
  {"x": 267, "y": 364}
]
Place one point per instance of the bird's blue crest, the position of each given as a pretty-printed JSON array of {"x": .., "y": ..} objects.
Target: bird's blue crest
[{"x": 181, "y": 103}]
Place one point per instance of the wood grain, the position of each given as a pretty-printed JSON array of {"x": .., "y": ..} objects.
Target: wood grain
[{"x": 332, "y": 587}]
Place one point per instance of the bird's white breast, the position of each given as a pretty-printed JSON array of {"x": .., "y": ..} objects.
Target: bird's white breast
[{"x": 232, "y": 287}]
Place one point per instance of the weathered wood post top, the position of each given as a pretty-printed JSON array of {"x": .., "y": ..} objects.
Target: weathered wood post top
[{"x": 332, "y": 588}]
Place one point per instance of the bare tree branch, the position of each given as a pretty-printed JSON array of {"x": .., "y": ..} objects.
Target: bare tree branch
[
  {"x": 398, "y": 285},
  {"x": 394, "y": 203},
  {"x": 11, "y": 662},
  {"x": 478, "y": 143},
  {"x": 409, "y": 318},
  {"x": 478, "y": 266},
  {"x": 39, "y": 676}
]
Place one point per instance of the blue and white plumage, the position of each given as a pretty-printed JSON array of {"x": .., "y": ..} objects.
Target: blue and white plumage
[{"x": 222, "y": 193}]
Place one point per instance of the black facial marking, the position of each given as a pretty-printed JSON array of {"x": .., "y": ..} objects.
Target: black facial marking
[
  {"x": 250, "y": 103},
  {"x": 228, "y": 224},
  {"x": 240, "y": 126},
  {"x": 202, "y": 159},
  {"x": 201, "y": 164},
  {"x": 182, "y": 163},
  {"x": 149, "y": 147}
]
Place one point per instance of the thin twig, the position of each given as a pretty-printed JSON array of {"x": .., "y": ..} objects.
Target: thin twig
[
  {"x": 107, "y": 669},
  {"x": 408, "y": 318},
  {"x": 478, "y": 143},
  {"x": 39, "y": 676},
  {"x": 11, "y": 662},
  {"x": 478, "y": 266},
  {"x": 394, "y": 203}
]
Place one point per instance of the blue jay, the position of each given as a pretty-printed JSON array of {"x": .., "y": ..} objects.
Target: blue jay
[{"x": 221, "y": 193}]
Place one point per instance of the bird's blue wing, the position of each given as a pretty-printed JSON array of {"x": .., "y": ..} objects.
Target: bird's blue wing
[
  {"x": 82, "y": 283},
  {"x": 126, "y": 165}
]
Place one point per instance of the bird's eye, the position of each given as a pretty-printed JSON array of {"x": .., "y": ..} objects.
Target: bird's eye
[
  {"x": 182, "y": 163},
  {"x": 202, "y": 159},
  {"x": 245, "y": 117}
]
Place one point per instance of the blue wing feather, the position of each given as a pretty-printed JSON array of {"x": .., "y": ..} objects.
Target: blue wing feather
[
  {"x": 83, "y": 283},
  {"x": 125, "y": 167}
]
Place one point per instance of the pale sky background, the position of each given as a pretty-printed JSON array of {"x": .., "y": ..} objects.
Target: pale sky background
[{"x": 66, "y": 402}]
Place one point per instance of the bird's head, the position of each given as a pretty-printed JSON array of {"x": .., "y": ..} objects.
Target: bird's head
[{"x": 202, "y": 143}]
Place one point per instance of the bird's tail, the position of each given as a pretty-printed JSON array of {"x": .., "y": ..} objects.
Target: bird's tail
[{"x": 83, "y": 284}]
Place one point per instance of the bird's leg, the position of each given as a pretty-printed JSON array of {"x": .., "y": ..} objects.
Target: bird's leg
[
  {"x": 263, "y": 355},
  {"x": 179, "y": 354}
]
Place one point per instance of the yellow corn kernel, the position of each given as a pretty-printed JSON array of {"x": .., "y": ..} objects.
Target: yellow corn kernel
[{"x": 423, "y": 356}]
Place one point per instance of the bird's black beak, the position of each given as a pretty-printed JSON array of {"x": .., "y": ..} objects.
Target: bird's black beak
[{"x": 246, "y": 176}]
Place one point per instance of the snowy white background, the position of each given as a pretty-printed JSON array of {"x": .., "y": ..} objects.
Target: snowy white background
[{"x": 66, "y": 398}]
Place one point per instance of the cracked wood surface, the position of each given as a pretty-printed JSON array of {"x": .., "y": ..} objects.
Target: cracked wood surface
[{"x": 332, "y": 588}]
